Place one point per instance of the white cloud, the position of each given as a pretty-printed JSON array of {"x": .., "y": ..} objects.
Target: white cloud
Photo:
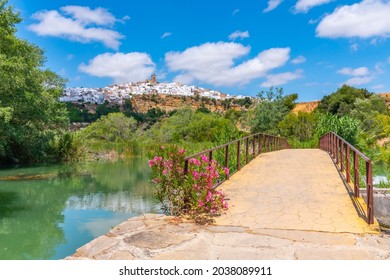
[
  {"x": 281, "y": 78},
  {"x": 85, "y": 15},
  {"x": 357, "y": 81},
  {"x": 165, "y": 35},
  {"x": 239, "y": 34},
  {"x": 303, "y": 6},
  {"x": 361, "y": 71},
  {"x": 235, "y": 12},
  {"x": 360, "y": 76},
  {"x": 298, "y": 60},
  {"x": 69, "y": 57},
  {"x": 82, "y": 25},
  {"x": 272, "y": 4},
  {"x": 213, "y": 63},
  {"x": 122, "y": 67},
  {"x": 369, "y": 18}
]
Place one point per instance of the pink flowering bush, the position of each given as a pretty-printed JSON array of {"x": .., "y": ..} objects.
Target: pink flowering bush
[{"x": 192, "y": 193}]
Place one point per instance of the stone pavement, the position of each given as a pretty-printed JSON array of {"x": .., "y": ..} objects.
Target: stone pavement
[{"x": 289, "y": 204}]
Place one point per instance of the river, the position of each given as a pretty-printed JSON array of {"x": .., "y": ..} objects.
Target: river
[{"x": 50, "y": 215}]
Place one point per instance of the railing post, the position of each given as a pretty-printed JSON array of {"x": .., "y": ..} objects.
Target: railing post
[
  {"x": 247, "y": 150},
  {"x": 348, "y": 164},
  {"x": 186, "y": 167},
  {"x": 269, "y": 143},
  {"x": 227, "y": 159},
  {"x": 369, "y": 193},
  {"x": 337, "y": 151},
  {"x": 260, "y": 143},
  {"x": 210, "y": 156},
  {"x": 341, "y": 155},
  {"x": 254, "y": 146},
  {"x": 356, "y": 174},
  {"x": 238, "y": 155}
]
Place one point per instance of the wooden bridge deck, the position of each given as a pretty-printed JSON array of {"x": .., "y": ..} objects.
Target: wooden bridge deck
[{"x": 293, "y": 189}]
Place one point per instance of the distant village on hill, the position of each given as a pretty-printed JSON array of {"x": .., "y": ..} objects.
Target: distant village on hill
[{"x": 118, "y": 93}]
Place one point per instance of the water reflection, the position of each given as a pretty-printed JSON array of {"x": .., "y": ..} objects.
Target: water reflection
[{"x": 49, "y": 218}]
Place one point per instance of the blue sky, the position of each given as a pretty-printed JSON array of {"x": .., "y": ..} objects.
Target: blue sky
[{"x": 309, "y": 47}]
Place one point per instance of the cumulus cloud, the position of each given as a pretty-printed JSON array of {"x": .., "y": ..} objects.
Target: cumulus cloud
[
  {"x": 78, "y": 23},
  {"x": 360, "y": 76},
  {"x": 361, "y": 71},
  {"x": 271, "y": 5},
  {"x": 121, "y": 67},
  {"x": 86, "y": 15},
  {"x": 239, "y": 34},
  {"x": 165, "y": 35},
  {"x": 369, "y": 18},
  {"x": 235, "y": 12},
  {"x": 303, "y": 6},
  {"x": 281, "y": 78},
  {"x": 357, "y": 81},
  {"x": 298, "y": 60},
  {"x": 213, "y": 63}
]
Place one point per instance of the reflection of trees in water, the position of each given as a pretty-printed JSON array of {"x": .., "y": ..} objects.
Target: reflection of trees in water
[{"x": 31, "y": 210}]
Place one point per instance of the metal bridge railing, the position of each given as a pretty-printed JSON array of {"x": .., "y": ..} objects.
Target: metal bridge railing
[
  {"x": 355, "y": 165},
  {"x": 235, "y": 154}
]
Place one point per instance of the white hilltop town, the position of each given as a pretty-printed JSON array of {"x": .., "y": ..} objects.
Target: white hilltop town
[{"x": 117, "y": 93}]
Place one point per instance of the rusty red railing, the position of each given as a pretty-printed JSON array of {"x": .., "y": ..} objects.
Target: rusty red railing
[
  {"x": 235, "y": 154},
  {"x": 346, "y": 158}
]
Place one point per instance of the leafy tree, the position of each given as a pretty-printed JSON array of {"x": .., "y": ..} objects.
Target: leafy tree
[
  {"x": 342, "y": 101},
  {"x": 299, "y": 126},
  {"x": 269, "y": 112},
  {"x": 31, "y": 116},
  {"x": 114, "y": 127}
]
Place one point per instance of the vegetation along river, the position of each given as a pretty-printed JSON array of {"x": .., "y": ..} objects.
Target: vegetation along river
[{"x": 49, "y": 212}]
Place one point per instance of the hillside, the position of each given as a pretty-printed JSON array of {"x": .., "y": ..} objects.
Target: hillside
[{"x": 306, "y": 107}]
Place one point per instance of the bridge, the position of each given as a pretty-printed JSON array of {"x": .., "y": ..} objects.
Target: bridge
[{"x": 284, "y": 204}]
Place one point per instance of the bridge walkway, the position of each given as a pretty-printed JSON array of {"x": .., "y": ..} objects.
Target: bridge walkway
[{"x": 294, "y": 189}]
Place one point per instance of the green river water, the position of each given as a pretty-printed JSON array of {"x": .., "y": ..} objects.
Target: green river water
[{"x": 50, "y": 217}]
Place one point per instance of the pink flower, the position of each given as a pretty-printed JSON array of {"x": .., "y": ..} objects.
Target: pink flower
[
  {"x": 204, "y": 158},
  {"x": 162, "y": 147},
  {"x": 181, "y": 151},
  {"x": 194, "y": 161},
  {"x": 151, "y": 163},
  {"x": 226, "y": 170},
  {"x": 157, "y": 159},
  {"x": 165, "y": 172},
  {"x": 200, "y": 204},
  {"x": 209, "y": 196},
  {"x": 195, "y": 174}
]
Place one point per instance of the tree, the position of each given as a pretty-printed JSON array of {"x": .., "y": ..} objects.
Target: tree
[
  {"x": 31, "y": 117},
  {"x": 299, "y": 126},
  {"x": 341, "y": 102},
  {"x": 114, "y": 127},
  {"x": 270, "y": 111}
]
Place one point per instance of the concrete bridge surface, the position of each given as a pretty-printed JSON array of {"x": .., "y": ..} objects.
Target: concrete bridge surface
[{"x": 288, "y": 204}]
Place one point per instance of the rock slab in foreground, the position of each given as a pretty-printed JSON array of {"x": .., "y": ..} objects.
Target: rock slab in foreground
[{"x": 158, "y": 237}]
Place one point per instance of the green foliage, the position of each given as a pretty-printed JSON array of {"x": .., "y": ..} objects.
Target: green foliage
[
  {"x": 114, "y": 127},
  {"x": 342, "y": 101},
  {"x": 299, "y": 126},
  {"x": 344, "y": 126},
  {"x": 269, "y": 112},
  {"x": 30, "y": 115},
  {"x": 196, "y": 127}
]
